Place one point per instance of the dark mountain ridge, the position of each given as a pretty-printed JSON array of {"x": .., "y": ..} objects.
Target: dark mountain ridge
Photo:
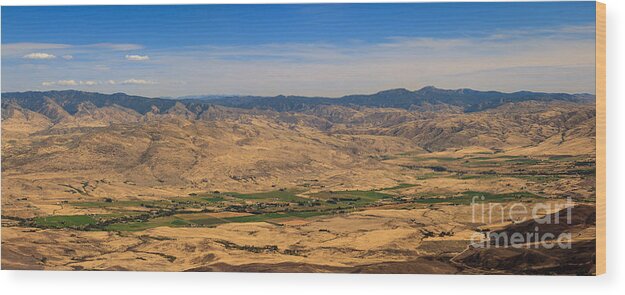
[
  {"x": 70, "y": 100},
  {"x": 467, "y": 99}
]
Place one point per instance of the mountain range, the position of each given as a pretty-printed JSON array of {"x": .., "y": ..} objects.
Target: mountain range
[
  {"x": 379, "y": 180},
  {"x": 466, "y": 99},
  {"x": 391, "y": 121}
]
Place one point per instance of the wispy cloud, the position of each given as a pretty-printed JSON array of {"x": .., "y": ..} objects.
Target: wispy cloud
[
  {"x": 89, "y": 82},
  {"x": 20, "y": 49},
  {"x": 61, "y": 83},
  {"x": 39, "y": 55},
  {"x": 550, "y": 59},
  {"x": 67, "y": 57},
  {"x": 134, "y": 57},
  {"x": 94, "y": 82},
  {"x": 137, "y": 82},
  {"x": 115, "y": 46}
]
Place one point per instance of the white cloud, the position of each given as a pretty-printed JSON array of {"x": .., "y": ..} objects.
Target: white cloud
[
  {"x": 67, "y": 57},
  {"x": 94, "y": 82},
  {"x": 137, "y": 82},
  {"x": 67, "y": 83},
  {"x": 61, "y": 83},
  {"x": 561, "y": 65},
  {"x": 18, "y": 50},
  {"x": 39, "y": 55},
  {"x": 554, "y": 60},
  {"x": 135, "y": 57},
  {"x": 70, "y": 83}
]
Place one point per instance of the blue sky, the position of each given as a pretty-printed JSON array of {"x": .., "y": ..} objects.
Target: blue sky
[{"x": 324, "y": 49}]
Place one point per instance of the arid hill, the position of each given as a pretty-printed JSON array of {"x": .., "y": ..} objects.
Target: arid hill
[
  {"x": 186, "y": 143},
  {"x": 380, "y": 183}
]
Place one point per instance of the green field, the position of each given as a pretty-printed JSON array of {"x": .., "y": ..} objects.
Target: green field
[
  {"x": 477, "y": 176},
  {"x": 563, "y": 158},
  {"x": 63, "y": 221},
  {"x": 399, "y": 186},
  {"x": 356, "y": 194},
  {"x": 118, "y": 204},
  {"x": 178, "y": 221},
  {"x": 479, "y": 197},
  {"x": 524, "y": 161},
  {"x": 152, "y": 223},
  {"x": 278, "y": 195},
  {"x": 192, "y": 210},
  {"x": 268, "y": 216},
  {"x": 438, "y": 159}
]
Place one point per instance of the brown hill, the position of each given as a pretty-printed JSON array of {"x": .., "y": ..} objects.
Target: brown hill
[{"x": 187, "y": 146}]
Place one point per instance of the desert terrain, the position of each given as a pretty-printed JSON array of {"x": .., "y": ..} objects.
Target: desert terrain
[{"x": 381, "y": 183}]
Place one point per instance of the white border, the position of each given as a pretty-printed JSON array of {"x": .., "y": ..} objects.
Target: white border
[{"x": 50, "y": 282}]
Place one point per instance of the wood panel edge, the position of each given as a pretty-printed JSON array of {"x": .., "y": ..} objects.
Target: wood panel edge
[{"x": 600, "y": 84}]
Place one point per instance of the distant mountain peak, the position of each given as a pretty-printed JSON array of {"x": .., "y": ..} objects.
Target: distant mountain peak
[
  {"x": 434, "y": 89},
  {"x": 395, "y": 90},
  {"x": 55, "y": 103}
]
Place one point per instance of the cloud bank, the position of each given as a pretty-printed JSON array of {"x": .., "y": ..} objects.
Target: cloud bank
[
  {"x": 133, "y": 57},
  {"x": 551, "y": 59},
  {"x": 137, "y": 82},
  {"x": 94, "y": 83},
  {"x": 39, "y": 55}
]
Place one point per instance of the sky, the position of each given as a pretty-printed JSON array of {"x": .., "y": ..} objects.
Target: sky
[{"x": 299, "y": 49}]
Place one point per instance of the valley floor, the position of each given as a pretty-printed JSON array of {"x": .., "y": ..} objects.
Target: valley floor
[{"x": 430, "y": 224}]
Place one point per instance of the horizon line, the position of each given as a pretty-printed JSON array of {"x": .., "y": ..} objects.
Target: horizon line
[{"x": 180, "y": 97}]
